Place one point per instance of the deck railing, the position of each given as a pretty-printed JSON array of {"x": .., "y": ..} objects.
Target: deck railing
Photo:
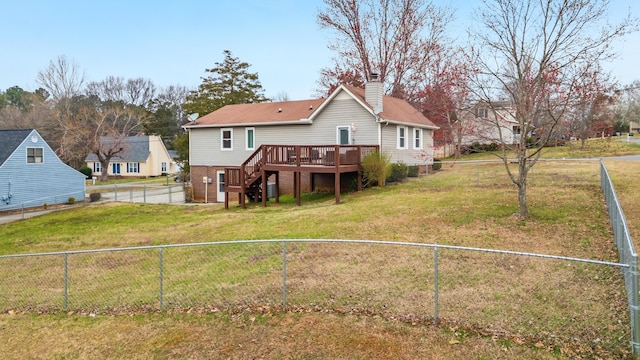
[{"x": 296, "y": 155}]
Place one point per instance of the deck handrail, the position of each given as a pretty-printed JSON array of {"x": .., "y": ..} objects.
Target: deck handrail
[{"x": 296, "y": 155}]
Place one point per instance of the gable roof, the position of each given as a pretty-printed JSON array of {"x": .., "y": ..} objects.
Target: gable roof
[
  {"x": 304, "y": 111},
  {"x": 10, "y": 140},
  {"x": 136, "y": 149},
  {"x": 394, "y": 110},
  {"x": 260, "y": 113}
]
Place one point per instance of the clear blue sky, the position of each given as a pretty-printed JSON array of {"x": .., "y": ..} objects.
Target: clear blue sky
[{"x": 172, "y": 42}]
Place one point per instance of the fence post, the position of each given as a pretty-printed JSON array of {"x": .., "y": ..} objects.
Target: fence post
[
  {"x": 66, "y": 283},
  {"x": 635, "y": 310},
  {"x": 284, "y": 273},
  {"x": 130, "y": 194},
  {"x": 115, "y": 192},
  {"x": 435, "y": 282},
  {"x": 169, "y": 194},
  {"x": 144, "y": 193},
  {"x": 160, "y": 278}
]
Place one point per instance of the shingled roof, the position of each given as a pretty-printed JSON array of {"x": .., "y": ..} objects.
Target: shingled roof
[
  {"x": 261, "y": 113},
  {"x": 301, "y": 111},
  {"x": 136, "y": 149},
  {"x": 10, "y": 140},
  {"x": 394, "y": 109}
]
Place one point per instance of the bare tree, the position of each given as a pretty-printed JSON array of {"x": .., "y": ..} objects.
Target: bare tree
[
  {"x": 138, "y": 91},
  {"x": 443, "y": 94},
  {"x": 105, "y": 129},
  {"x": 534, "y": 54},
  {"x": 591, "y": 113},
  {"x": 389, "y": 37},
  {"x": 112, "y": 88},
  {"x": 63, "y": 79},
  {"x": 627, "y": 108}
]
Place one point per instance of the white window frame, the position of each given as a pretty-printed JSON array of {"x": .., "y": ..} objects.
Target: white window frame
[
  {"x": 116, "y": 168},
  {"x": 417, "y": 138},
  {"x": 402, "y": 138},
  {"x": 163, "y": 167},
  {"x": 342, "y": 127},
  {"x": 133, "y": 167},
  {"x": 252, "y": 131},
  {"x": 97, "y": 167},
  {"x": 37, "y": 156},
  {"x": 222, "y": 139},
  {"x": 483, "y": 113}
]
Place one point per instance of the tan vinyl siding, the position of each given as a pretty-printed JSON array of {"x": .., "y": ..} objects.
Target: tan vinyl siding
[{"x": 409, "y": 156}]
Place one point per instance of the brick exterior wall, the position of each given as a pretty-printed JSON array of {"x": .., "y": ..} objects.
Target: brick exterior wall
[{"x": 322, "y": 182}]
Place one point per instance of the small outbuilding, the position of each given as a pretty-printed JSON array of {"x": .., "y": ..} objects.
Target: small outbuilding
[{"x": 32, "y": 175}]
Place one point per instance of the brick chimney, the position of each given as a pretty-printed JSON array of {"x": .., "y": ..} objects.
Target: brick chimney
[{"x": 373, "y": 93}]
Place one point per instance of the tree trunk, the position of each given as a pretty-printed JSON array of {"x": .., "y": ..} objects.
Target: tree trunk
[
  {"x": 523, "y": 209},
  {"x": 104, "y": 175}
]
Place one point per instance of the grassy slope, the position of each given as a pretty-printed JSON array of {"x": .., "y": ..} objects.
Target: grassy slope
[{"x": 445, "y": 210}]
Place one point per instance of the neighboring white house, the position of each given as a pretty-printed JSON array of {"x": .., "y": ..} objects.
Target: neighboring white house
[
  {"x": 349, "y": 116},
  {"x": 142, "y": 156},
  {"x": 484, "y": 125}
]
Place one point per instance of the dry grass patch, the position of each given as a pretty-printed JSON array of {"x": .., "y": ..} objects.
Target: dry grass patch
[
  {"x": 357, "y": 301},
  {"x": 246, "y": 336}
]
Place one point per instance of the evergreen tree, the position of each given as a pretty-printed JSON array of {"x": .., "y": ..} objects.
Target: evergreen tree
[{"x": 229, "y": 82}]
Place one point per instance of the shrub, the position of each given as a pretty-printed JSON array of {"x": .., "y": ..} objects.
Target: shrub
[
  {"x": 398, "y": 172},
  {"x": 94, "y": 196},
  {"x": 86, "y": 171},
  {"x": 413, "y": 171},
  {"x": 437, "y": 164},
  {"x": 71, "y": 200},
  {"x": 375, "y": 168}
]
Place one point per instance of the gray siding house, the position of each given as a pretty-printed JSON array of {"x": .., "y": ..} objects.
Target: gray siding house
[
  {"x": 32, "y": 175},
  {"x": 348, "y": 117}
]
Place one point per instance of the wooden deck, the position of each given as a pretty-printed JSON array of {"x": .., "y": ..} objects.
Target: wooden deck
[{"x": 249, "y": 179}]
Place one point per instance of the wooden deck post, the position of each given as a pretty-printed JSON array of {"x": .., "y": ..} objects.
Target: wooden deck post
[
  {"x": 277, "y": 194},
  {"x": 243, "y": 187},
  {"x": 337, "y": 173},
  {"x": 264, "y": 188}
]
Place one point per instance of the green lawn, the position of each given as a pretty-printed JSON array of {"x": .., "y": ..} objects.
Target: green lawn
[{"x": 350, "y": 301}]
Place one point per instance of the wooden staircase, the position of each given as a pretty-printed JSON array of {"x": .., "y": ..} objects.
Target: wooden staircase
[{"x": 249, "y": 179}]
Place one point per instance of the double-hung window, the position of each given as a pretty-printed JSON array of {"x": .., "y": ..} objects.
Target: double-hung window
[
  {"x": 226, "y": 139},
  {"x": 163, "y": 167},
  {"x": 34, "y": 155},
  {"x": 417, "y": 139},
  {"x": 133, "y": 167},
  {"x": 97, "y": 167},
  {"x": 402, "y": 137}
]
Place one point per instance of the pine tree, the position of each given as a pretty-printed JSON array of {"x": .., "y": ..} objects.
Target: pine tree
[{"x": 229, "y": 82}]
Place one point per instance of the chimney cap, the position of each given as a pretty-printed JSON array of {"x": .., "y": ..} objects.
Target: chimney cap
[{"x": 374, "y": 76}]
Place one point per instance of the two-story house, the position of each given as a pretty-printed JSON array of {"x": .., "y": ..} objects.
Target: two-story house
[
  {"x": 32, "y": 175},
  {"x": 302, "y": 145}
]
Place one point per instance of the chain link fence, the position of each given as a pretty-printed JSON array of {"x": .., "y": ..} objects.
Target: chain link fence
[
  {"x": 572, "y": 306},
  {"x": 171, "y": 193}
]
